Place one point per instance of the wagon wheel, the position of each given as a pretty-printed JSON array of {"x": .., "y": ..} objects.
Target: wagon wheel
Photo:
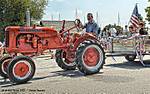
[
  {"x": 90, "y": 58},
  {"x": 21, "y": 69},
  {"x": 130, "y": 58},
  {"x": 4, "y": 61},
  {"x": 62, "y": 62}
]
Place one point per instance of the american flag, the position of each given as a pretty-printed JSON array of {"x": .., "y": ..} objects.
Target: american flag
[{"x": 135, "y": 17}]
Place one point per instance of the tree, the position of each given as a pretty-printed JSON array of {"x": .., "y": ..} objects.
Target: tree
[
  {"x": 148, "y": 13},
  {"x": 118, "y": 28},
  {"x": 12, "y": 12}
]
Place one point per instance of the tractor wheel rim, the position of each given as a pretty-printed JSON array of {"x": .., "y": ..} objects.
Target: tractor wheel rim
[
  {"x": 92, "y": 56},
  {"x": 22, "y": 70},
  {"x": 5, "y": 65}
]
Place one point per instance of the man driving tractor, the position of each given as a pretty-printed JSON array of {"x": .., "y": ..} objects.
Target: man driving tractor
[{"x": 91, "y": 26}]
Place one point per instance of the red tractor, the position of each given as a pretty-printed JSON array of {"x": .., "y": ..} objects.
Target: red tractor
[{"x": 72, "y": 50}]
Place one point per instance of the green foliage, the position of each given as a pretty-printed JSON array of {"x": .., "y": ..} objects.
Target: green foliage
[
  {"x": 12, "y": 12},
  {"x": 148, "y": 13},
  {"x": 117, "y": 27}
]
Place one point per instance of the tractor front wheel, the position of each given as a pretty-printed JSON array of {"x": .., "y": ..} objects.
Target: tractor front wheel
[
  {"x": 90, "y": 58},
  {"x": 21, "y": 69},
  {"x": 4, "y": 61},
  {"x": 62, "y": 62}
]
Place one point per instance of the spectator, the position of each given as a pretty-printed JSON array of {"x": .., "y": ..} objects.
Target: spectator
[
  {"x": 125, "y": 31},
  {"x": 113, "y": 32}
]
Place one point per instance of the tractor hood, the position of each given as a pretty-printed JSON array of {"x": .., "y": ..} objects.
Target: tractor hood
[{"x": 29, "y": 29}]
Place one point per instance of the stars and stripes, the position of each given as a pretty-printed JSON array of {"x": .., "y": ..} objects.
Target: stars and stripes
[{"x": 135, "y": 17}]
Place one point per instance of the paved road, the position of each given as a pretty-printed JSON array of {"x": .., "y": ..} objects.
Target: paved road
[{"x": 119, "y": 77}]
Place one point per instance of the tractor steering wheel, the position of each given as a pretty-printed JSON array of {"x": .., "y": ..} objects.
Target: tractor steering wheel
[{"x": 78, "y": 24}]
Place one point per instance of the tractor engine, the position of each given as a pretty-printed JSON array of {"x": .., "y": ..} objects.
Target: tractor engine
[{"x": 29, "y": 42}]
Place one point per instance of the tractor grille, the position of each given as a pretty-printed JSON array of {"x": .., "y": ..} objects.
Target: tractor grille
[{"x": 6, "y": 39}]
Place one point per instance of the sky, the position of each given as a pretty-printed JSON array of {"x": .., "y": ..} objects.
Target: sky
[{"x": 108, "y": 10}]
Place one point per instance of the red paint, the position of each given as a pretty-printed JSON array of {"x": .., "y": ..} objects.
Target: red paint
[
  {"x": 21, "y": 69},
  {"x": 91, "y": 57},
  {"x": 31, "y": 41}
]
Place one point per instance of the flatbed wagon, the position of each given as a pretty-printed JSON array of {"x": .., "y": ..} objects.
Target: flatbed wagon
[{"x": 130, "y": 47}]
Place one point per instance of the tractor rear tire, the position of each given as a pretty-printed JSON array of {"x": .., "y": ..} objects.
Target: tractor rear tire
[
  {"x": 130, "y": 58},
  {"x": 21, "y": 69},
  {"x": 90, "y": 58},
  {"x": 62, "y": 62},
  {"x": 4, "y": 61}
]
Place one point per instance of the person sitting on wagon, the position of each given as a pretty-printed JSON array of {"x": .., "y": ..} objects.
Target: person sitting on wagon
[
  {"x": 141, "y": 29},
  {"x": 91, "y": 26},
  {"x": 137, "y": 32},
  {"x": 131, "y": 31}
]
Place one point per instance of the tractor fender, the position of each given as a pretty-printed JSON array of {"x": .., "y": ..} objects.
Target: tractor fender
[{"x": 86, "y": 36}]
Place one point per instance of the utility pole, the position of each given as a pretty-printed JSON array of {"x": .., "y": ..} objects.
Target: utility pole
[
  {"x": 76, "y": 14},
  {"x": 118, "y": 19},
  {"x": 97, "y": 17},
  {"x": 59, "y": 17},
  {"x": 52, "y": 17},
  {"x": 28, "y": 20}
]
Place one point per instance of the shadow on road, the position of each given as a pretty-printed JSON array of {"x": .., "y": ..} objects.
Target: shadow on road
[
  {"x": 2, "y": 82},
  {"x": 111, "y": 78},
  {"x": 7, "y": 83},
  {"x": 11, "y": 84},
  {"x": 72, "y": 74},
  {"x": 130, "y": 65}
]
